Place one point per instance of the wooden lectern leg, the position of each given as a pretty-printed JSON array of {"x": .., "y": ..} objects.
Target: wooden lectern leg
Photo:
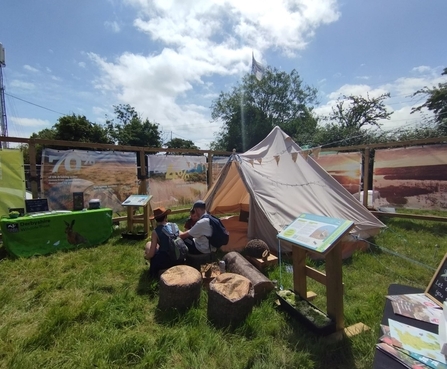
[
  {"x": 334, "y": 286},
  {"x": 299, "y": 271}
]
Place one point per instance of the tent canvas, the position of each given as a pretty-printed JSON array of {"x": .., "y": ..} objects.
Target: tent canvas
[{"x": 275, "y": 183}]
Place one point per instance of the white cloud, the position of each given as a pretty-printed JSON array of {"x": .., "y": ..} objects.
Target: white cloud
[
  {"x": 356, "y": 90},
  {"x": 400, "y": 102},
  {"x": 30, "y": 68},
  {"x": 112, "y": 26},
  {"x": 421, "y": 69},
  {"x": 25, "y": 127},
  {"x": 22, "y": 85},
  {"x": 203, "y": 38},
  {"x": 29, "y": 122},
  {"x": 82, "y": 64}
]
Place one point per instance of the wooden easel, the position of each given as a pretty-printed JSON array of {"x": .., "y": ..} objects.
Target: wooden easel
[
  {"x": 139, "y": 219},
  {"x": 321, "y": 236},
  {"x": 332, "y": 279}
]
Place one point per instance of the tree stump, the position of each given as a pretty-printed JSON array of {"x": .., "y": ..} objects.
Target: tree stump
[
  {"x": 236, "y": 263},
  {"x": 230, "y": 300},
  {"x": 196, "y": 261},
  {"x": 180, "y": 288}
]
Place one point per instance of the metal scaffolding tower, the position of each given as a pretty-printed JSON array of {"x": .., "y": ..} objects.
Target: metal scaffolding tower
[{"x": 3, "y": 120}]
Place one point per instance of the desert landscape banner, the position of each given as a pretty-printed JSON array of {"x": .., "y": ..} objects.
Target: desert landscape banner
[
  {"x": 109, "y": 176},
  {"x": 176, "y": 180},
  {"x": 413, "y": 177},
  {"x": 345, "y": 167}
]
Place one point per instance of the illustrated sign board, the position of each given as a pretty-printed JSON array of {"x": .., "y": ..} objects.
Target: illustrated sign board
[
  {"x": 437, "y": 288},
  {"x": 315, "y": 232},
  {"x": 137, "y": 200}
]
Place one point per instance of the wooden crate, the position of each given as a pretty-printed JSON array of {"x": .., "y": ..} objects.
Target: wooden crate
[{"x": 262, "y": 263}]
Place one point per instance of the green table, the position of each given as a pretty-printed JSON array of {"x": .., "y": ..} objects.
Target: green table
[{"x": 44, "y": 234}]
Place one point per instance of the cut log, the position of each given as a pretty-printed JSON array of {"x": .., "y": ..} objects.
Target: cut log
[
  {"x": 180, "y": 288},
  {"x": 236, "y": 263},
  {"x": 230, "y": 300}
]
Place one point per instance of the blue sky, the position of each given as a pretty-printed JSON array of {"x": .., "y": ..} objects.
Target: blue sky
[{"x": 171, "y": 58}]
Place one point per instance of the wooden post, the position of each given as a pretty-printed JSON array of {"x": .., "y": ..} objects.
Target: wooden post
[
  {"x": 33, "y": 169},
  {"x": 129, "y": 218},
  {"x": 299, "y": 271},
  {"x": 366, "y": 178},
  {"x": 210, "y": 169},
  {"x": 334, "y": 286}
]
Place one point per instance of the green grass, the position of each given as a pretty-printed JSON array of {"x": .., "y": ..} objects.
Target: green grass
[{"x": 95, "y": 307}]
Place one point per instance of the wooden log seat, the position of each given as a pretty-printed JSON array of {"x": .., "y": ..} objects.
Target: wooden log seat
[
  {"x": 236, "y": 263},
  {"x": 196, "y": 261},
  {"x": 230, "y": 300},
  {"x": 180, "y": 288}
]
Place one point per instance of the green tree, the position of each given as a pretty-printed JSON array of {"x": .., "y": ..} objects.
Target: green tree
[
  {"x": 128, "y": 128},
  {"x": 250, "y": 111},
  {"x": 180, "y": 143},
  {"x": 69, "y": 128},
  {"x": 357, "y": 111},
  {"x": 436, "y": 102},
  {"x": 79, "y": 128}
]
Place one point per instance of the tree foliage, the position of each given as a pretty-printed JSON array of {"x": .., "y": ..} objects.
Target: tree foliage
[
  {"x": 253, "y": 108},
  {"x": 79, "y": 128},
  {"x": 128, "y": 128},
  {"x": 180, "y": 143},
  {"x": 357, "y": 111},
  {"x": 69, "y": 128},
  {"x": 436, "y": 102}
]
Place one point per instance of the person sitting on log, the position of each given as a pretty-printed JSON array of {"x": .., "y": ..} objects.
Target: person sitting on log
[
  {"x": 156, "y": 250},
  {"x": 196, "y": 238},
  {"x": 191, "y": 220}
]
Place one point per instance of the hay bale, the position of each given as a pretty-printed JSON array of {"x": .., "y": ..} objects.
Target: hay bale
[
  {"x": 256, "y": 248},
  {"x": 236, "y": 263},
  {"x": 230, "y": 300},
  {"x": 180, "y": 288}
]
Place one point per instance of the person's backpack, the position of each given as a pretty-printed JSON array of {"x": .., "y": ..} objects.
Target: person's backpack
[
  {"x": 177, "y": 250},
  {"x": 220, "y": 235}
]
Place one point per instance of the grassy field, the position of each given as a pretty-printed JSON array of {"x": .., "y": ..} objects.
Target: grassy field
[{"x": 96, "y": 308}]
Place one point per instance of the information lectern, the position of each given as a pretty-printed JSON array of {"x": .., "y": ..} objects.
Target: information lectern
[{"x": 137, "y": 201}]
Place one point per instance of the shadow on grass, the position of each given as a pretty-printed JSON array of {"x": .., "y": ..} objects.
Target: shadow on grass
[
  {"x": 3, "y": 253},
  {"x": 325, "y": 351},
  {"x": 146, "y": 285}
]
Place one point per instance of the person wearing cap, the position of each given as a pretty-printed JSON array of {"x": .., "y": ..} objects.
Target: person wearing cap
[
  {"x": 156, "y": 251},
  {"x": 191, "y": 220},
  {"x": 196, "y": 238}
]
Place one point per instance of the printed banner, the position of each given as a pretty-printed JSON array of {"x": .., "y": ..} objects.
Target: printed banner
[
  {"x": 12, "y": 180},
  {"x": 345, "y": 167},
  {"x": 176, "y": 180},
  {"x": 109, "y": 176},
  {"x": 45, "y": 234},
  {"x": 218, "y": 163},
  {"x": 413, "y": 177}
]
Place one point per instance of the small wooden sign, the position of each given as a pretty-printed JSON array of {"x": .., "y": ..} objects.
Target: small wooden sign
[
  {"x": 137, "y": 200},
  {"x": 437, "y": 288}
]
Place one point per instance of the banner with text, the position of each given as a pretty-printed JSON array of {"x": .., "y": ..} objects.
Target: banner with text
[
  {"x": 109, "y": 176},
  {"x": 176, "y": 180}
]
